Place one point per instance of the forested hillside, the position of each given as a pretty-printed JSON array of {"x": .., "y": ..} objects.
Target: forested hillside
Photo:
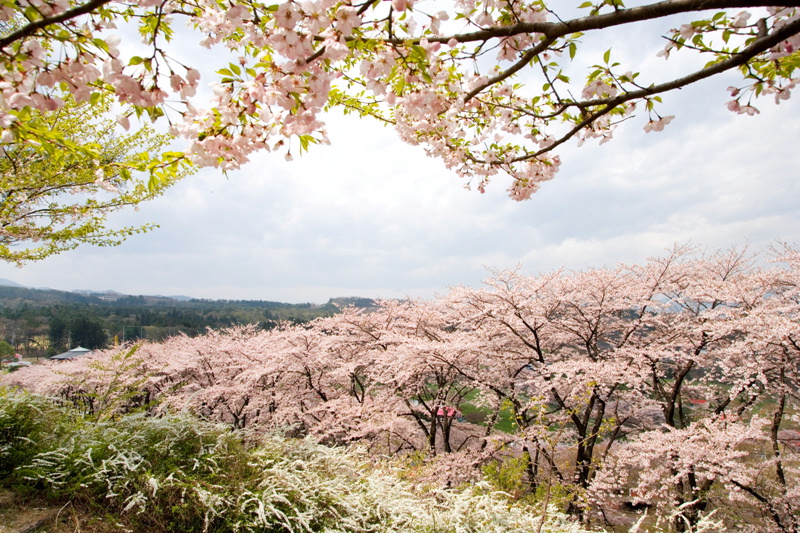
[{"x": 41, "y": 322}]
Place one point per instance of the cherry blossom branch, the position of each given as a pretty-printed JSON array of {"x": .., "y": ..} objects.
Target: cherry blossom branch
[
  {"x": 527, "y": 57},
  {"x": 766, "y": 503},
  {"x": 366, "y": 5},
  {"x": 33, "y": 27},
  {"x": 736, "y": 59},
  {"x": 316, "y": 55},
  {"x": 777, "y": 418},
  {"x": 598, "y": 22},
  {"x": 669, "y": 408}
]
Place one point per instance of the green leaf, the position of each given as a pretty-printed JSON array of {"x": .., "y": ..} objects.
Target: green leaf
[
  {"x": 100, "y": 43},
  {"x": 305, "y": 141},
  {"x": 61, "y": 151},
  {"x": 419, "y": 54},
  {"x": 32, "y": 14}
]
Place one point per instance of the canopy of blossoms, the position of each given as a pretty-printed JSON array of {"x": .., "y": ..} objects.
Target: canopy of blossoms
[
  {"x": 673, "y": 384},
  {"x": 490, "y": 87}
]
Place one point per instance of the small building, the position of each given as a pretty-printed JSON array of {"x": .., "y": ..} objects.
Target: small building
[
  {"x": 449, "y": 412},
  {"x": 14, "y": 364},
  {"x": 72, "y": 354}
]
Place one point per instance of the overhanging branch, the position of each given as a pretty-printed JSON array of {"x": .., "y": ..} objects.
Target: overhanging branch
[
  {"x": 738, "y": 59},
  {"x": 620, "y": 17},
  {"x": 33, "y": 27}
]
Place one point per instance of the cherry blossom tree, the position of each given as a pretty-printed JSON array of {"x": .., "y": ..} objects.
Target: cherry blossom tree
[
  {"x": 599, "y": 366},
  {"x": 566, "y": 348},
  {"x": 461, "y": 78},
  {"x": 673, "y": 384},
  {"x": 424, "y": 368},
  {"x": 723, "y": 388}
]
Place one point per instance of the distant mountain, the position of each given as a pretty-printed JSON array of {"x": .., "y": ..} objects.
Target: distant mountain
[
  {"x": 103, "y": 295},
  {"x": 179, "y": 297},
  {"x": 107, "y": 295},
  {"x": 35, "y": 313},
  {"x": 354, "y": 301},
  {"x": 16, "y": 292}
]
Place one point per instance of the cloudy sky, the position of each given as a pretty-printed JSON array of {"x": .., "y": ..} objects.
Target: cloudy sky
[{"x": 371, "y": 216}]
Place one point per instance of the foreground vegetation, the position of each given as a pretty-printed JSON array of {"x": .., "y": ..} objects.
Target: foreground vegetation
[
  {"x": 178, "y": 473},
  {"x": 667, "y": 392}
]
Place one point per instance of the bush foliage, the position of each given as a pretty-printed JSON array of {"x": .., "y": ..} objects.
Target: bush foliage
[{"x": 178, "y": 473}]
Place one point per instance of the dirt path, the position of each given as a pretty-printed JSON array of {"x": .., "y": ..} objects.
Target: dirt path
[{"x": 34, "y": 516}]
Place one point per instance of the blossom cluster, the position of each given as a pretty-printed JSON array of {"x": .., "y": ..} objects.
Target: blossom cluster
[{"x": 453, "y": 78}]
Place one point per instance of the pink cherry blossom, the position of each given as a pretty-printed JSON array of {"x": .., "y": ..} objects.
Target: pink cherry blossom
[
  {"x": 658, "y": 125},
  {"x": 487, "y": 103}
]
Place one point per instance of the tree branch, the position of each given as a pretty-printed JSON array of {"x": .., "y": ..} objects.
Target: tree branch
[
  {"x": 597, "y": 22},
  {"x": 736, "y": 59},
  {"x": 527, "y": 57},
  {"x": 35, "y": 26}
]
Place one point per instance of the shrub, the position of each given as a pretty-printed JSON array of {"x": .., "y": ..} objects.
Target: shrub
[
  {"x": 177, "y": 473},
  {"x": 29, "y": 425}
]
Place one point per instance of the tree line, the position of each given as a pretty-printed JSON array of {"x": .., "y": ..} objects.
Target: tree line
[{"x": 46, "y": 322}]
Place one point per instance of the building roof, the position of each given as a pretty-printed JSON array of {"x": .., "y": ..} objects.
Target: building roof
[
  {"x": 17, "y": 364},
  {"x": 72, "y": 354}
]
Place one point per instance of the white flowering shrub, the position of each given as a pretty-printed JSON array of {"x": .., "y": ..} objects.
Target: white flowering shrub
[
  {"x": 177, "y": 473},
  {"x": 28, "y": 426}
]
